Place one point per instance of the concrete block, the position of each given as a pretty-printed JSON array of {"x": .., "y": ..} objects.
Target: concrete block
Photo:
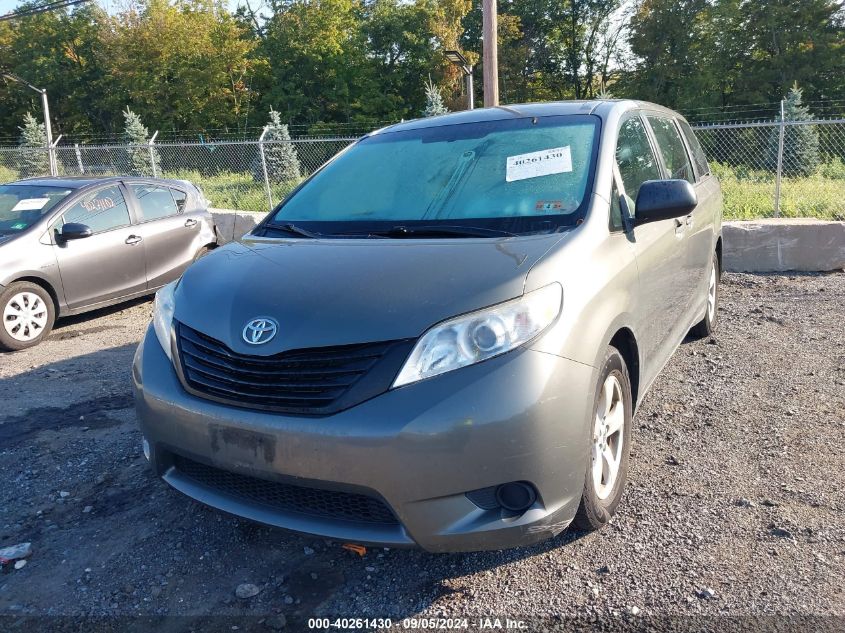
[
  {"x": 782, "y": 244},
  {"x": 233, "y": 225}
]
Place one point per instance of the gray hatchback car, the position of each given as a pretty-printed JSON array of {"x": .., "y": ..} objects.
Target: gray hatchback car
[
  {"x": 68, "y": 245},
  {"x": 441, "y": 337}
]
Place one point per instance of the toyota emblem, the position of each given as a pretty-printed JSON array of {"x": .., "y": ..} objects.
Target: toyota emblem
[{"x": 260, "y": 330}]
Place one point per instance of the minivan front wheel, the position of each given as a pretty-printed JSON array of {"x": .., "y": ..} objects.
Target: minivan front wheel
[
  {"x": 27, "y": 313},
  {"x": 609, "y": 444}
]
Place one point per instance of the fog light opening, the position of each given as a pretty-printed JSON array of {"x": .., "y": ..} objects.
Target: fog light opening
[
  {"x": 516, "y": 496},
  {"x": 146, "y": 446}
]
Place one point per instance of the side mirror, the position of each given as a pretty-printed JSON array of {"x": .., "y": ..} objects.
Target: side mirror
[
  {"x": 74, "y": 231},
  {"x": 664, "y": 199}
]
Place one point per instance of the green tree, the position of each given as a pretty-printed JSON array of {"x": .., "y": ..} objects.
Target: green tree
[
  {"x": 283, "y": 165},
  {"x": 35, "y": 160},
  {"x": 141, "y": 158},
  {"x": 433, "y": 100},
  {"x": 800, "y": 142}
]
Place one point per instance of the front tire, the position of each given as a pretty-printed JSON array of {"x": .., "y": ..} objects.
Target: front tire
[
  {"x": 707, "y": 325},
  {"x": 27, "y": 314},
  {"x": 610, "y": 444}
]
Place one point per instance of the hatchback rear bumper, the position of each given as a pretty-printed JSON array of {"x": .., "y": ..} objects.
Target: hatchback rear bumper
[{"x": 416, "y": 450}]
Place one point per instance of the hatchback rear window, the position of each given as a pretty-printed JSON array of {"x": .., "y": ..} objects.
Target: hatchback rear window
[{"x": 517, "y": 175}]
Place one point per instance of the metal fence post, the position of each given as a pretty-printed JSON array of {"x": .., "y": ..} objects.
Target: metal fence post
[
  {"x": 779, "y": 175},
  {"x": 153, "y": 154},
  {"x": 54, "y": 163},
  {"x": 78, "y": 158},
  {"x": 264, "y": 164}
]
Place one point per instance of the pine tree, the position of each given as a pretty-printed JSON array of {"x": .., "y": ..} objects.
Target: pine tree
[
  {"x": 433, "y": 100},
  {"x": 283, "y": 165},
  {"x": 800, "y": 142},
  {"x": 35, "y": 160},
  {"x": 139, "y": 155}
]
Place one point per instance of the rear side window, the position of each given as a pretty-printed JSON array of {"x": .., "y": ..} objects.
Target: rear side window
[
  {"x": 155, "y": 202},
  {"x": 698, "y": 156},
  {"x": 672, "y": 148},
  {"x": 181, "y": 198},
  {"x": 635, "y": 159},
  {"x": 100, "y": 210}
]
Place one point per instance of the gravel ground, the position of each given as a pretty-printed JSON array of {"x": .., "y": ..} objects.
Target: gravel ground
[{"x": 734, "y": 504}]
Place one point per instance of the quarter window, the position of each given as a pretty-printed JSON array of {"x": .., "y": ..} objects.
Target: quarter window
[
  {"x": 672, "y": 148},
  {"x": 635, "y": 158},
  {"x": 698, "y": 156},
  {"x": 100, "y": 210},
  {"x": 155, "y": 202}
]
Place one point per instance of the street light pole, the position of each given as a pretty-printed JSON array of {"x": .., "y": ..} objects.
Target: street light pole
[{"x": 47, "y": 127}]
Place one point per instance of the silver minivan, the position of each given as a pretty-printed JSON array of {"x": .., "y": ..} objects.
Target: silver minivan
[
  {"x": 441, "y": 337},
  {"x": 69, "y": 245}
]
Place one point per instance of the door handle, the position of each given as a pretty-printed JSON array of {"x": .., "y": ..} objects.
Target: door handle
[
  {"x": 133, "y": 239},
  {"x": 689, "y": 220},
  {"x": 190, "y": 223}
]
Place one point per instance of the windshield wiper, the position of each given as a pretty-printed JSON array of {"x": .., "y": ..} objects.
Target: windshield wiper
[
  {"x": 435, "y": 230},
  {"x": 294, "y": 230}
]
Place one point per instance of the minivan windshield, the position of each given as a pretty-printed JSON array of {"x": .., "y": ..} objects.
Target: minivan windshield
[
  {"x": 21, "y": 206},
  {"x": 523, "y": 175}
]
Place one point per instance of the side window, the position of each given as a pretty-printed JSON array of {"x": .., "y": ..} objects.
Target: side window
[
  {"x": 101, "y": 210},
  {"x": 698, "y": 156},
  {"x": 636, "y": 161},
  {"x": 672, "y": 148},
  {"x": 615, "y": 209},
  {"x": 155, "y": 202}
]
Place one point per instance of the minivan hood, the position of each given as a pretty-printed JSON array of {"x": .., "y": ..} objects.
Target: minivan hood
[{"x": 337, "y": 292}]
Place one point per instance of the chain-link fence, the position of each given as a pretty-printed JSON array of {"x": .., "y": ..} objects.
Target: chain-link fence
[
  {"x": 791, "y": 169},
  {"x": 250, "y": 175}
]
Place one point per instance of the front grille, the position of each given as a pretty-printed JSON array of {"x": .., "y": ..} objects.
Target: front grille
[
  {"x": 309, "y": 501},
  {"x": 308, "y": 381}
]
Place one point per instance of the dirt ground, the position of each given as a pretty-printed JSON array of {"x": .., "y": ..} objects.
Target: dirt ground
[{"x": 735, "y": 504}]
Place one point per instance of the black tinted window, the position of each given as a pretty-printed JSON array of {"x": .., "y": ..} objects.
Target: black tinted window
[
  {"x": 671, "y": 148},
  {"x": 698, "y": 156},
  {"x": 100, "y": 210},
  {"x": 636, "y": 161},
  {"x": 155, "y": 202}
]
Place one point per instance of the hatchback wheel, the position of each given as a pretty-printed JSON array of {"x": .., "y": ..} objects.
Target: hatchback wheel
[
  {"x": 610, "y": 443},
  {"x": 707, "y": 325},
  {"x": 28, "y": 314}
]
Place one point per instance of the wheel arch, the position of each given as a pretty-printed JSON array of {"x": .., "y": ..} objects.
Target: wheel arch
[
  {"x": 625, "y": 341},
  {"x": 46, "y": 285},
  {"x": 719, "y": 255}
]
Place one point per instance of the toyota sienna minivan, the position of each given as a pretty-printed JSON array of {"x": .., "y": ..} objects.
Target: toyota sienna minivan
[{"x": 441, "y": 337}]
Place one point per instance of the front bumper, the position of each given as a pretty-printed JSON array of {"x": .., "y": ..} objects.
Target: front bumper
[{"x": 523, "y": 416}]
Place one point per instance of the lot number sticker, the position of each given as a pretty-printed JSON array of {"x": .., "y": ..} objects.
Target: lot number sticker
[
  {"x": 543, "y": 163},
  {"x": 30, "y": 204}
]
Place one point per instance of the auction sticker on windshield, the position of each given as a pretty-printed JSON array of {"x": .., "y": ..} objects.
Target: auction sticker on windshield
[
  {"x": 543, "y": 163},
  {"x": 31, "y": 204}
]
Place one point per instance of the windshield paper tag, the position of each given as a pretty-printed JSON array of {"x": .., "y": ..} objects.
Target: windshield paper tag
[
  {"x": 542, "y": 163},
  {"x": 31, "y": 204}
]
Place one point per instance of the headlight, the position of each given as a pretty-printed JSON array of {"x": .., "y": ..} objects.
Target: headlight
[
  {"x": 163, "y": 315},
  {"x": 477, "y": 336}
]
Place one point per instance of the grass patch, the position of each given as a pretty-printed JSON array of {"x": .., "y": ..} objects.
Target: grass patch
[
  {"x": 750, "y": 194},
  {"x": 230, "y": 190}
]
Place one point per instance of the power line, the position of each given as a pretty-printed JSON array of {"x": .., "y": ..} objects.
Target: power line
[{"x": 44, "y": 8}]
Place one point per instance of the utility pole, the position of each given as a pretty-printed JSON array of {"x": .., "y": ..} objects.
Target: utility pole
[{"x": 491, "y": 57}]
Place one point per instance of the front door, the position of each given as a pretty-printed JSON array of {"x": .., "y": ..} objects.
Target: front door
[
  {"x": 659, "y": 252},
  {"x": 110, "y": 263}
]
